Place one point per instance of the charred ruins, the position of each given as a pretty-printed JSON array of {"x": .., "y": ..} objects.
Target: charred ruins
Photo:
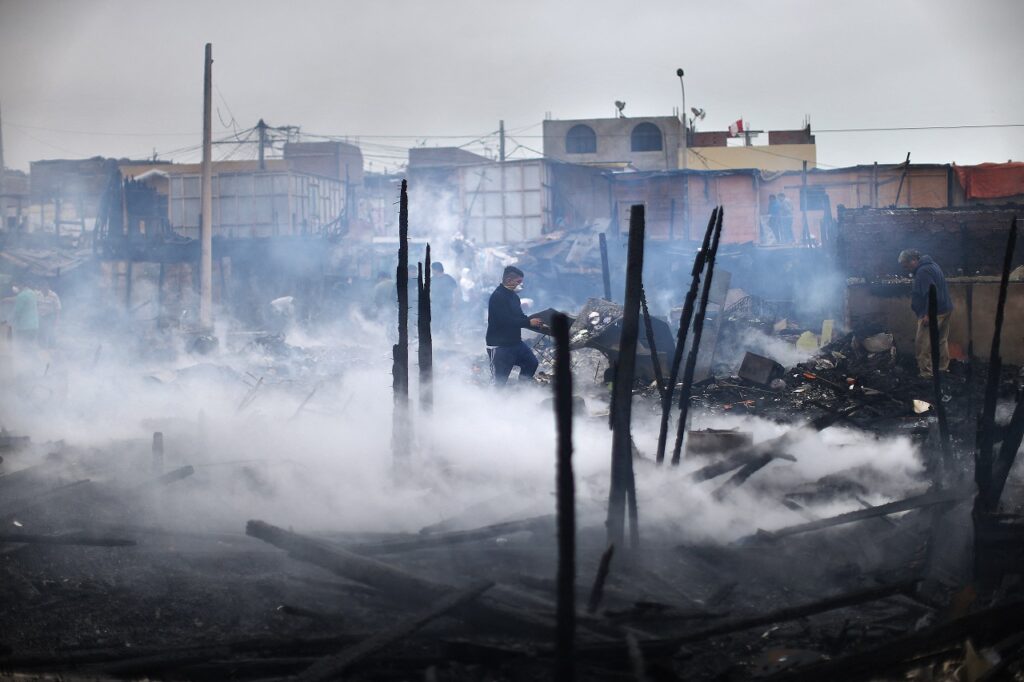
[{"x": 269, "y": 448}]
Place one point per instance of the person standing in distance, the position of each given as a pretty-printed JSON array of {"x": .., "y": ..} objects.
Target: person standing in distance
[
  {"x": 505, "y": 322},
  {"x": 927, "y": 273}
]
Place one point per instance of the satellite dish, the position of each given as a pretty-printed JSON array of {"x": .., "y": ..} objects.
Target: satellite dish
[
  {"x": 620, "y": 106},
  {"x": 698, "y": 113}
]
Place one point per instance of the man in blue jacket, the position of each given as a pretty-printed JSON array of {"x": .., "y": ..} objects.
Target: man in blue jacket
[
  {"x": 505, "y": 322},
  {"x": 926, "y": 274}
]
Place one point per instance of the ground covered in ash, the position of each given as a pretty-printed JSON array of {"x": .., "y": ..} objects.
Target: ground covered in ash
[{"x": 273, "y": 529}]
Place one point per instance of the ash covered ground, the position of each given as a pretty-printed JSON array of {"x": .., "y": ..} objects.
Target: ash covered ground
[{"x": 273, "y": 526}]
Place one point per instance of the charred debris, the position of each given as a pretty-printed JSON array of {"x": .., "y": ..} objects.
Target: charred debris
[{"x": 870, "y": 578}]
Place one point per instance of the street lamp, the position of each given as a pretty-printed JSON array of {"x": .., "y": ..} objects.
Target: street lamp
[{"x": 682, "y": 112}]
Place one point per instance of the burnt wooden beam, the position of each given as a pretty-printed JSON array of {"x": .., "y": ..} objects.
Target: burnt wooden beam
[
  {"x": 659, "y": 378},
  {"x": 400, "y": 435},
  {"x": 22, "y": 505},
  {"x": 333, "y": 667},
  {"x": 597, "y": 590},
  {"x": 684, "y": 327},
  {"x": 940, "y": 406},
  {"x": 928, "y": 499},
  {"x": 987, "y": 625},
  {"x": 698, "y": 328},
  {"x": 426, "y": 343},
  {"x": 745, "y": 472},
  {"x": 786, "y": 614},
  {"x": 606, "y": 277},
  {"x": 986, "y": 427},
  {"x": 622, "y": 391},
  {"x": 565, "y": 637},
  {"x": 453, "y": 538},
  {"x": 392, "y": 580}
]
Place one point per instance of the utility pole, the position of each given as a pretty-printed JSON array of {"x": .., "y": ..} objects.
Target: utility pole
[
  {"x": 206, "y": 222},
  {"x": 501, "y": 138},
  {"x": 3, "y": 180},
  {"x": 262, "y": 127},
  {"x": 683, "y": 159}
]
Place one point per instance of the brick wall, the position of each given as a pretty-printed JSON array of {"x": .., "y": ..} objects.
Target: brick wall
[{"x": 965, "y": 241}]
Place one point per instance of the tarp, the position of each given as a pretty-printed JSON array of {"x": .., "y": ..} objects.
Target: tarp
[{"x": 991, "y": 180}]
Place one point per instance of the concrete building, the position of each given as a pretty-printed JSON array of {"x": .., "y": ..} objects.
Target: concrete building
[
  {"x": 655, "y": 143},
  {"x": 645, "y": 143},
  {"x": 787, "y": 150}
]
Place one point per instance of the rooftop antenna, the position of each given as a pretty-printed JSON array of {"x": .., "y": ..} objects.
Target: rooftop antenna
[{"x": 620, "y": 106}]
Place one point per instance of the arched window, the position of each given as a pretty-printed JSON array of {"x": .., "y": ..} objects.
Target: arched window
[
  {"x": 646, "y": 137},
  {"x": 581, "y": 140}
]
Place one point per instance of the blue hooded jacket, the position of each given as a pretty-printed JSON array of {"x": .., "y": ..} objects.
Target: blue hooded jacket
[{"x": 926, "y": 274}]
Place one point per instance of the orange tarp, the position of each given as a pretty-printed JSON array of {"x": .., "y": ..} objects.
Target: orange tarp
[{"x": 991, "y": 180}]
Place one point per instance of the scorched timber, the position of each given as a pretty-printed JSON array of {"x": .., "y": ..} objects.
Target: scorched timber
[{"x": 394, "y": 581}]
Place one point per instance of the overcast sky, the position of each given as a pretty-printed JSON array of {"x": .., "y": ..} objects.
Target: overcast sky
[{"x": 83, "y": 78}]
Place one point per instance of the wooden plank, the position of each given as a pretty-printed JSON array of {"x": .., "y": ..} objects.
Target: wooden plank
[{"x": 333, "y": 666}]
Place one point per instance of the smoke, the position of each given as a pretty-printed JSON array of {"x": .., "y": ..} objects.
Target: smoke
[{"x": 299, "y": 434}]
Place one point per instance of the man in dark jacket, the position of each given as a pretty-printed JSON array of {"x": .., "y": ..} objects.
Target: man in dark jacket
[
  {"x": 927, "y": 274},
  {"x": 505, "y": 322}
]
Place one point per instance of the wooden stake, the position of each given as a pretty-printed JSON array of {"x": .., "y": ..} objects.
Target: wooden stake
[
  {"x": 684, "y": 327},
  {"x": 566, "y": 487},
  {"x": 698, "y": 329},
  {"x": 426, "y": 347},
  {"x": 597, "y": 591},
  {"x": 400, "y": 436},
  {"x": 206, "y": 220},
  {"x": 940, "y": 407},
  {"x": 659, "y": 378},
  {"x": 983, "y": 458},
  {"x": 605, "y": 272},
  {"x": 622, "y": 456}
]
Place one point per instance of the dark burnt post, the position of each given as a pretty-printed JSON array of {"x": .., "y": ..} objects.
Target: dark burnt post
[
  {"x": 990, "y": 476},
  {"x": 158, "y": 453},
  {"x": 426, "y": 348},
  {"x": 566, "y": 487},
  {"x": 986, "y": 428},
  {"x": 940, "y": 407},
  {"x": 606, "y": 277},
  {"x": 698, "y": 329},
  {"x": 659, "y": 378},
  {"x": 684, "y": 327},
  {"x": 622, "y": 391},
  {"x": 400, "y": 351}
]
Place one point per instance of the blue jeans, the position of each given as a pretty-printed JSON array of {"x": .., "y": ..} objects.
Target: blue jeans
[{"x": 504, "y": 358}]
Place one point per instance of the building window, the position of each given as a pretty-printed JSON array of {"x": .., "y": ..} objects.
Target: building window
[
  {"x": 581, "y": 139},
  {"x": 646, "y": 137}
]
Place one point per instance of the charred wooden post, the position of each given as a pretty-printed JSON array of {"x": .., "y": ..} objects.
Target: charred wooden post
[
  {"x": 426, "y": 347},
  {"x": 158, "y": 453},
  {"x": 984, "y": 502},
  {"x": 1012, "y": 437},
  {"x": 698, "y": 329},
  {"x": 606, "y": 276},
  {"x": 940, "y": 407},
  {"x": 622, "y": 392},
  {"x": 597, "y": 591},
  {"x": 659, "y": 378},
  {"x": 565, "y": 637},
  {"x": 400, "y": 351},
  {"x": 684, "y": 327}
]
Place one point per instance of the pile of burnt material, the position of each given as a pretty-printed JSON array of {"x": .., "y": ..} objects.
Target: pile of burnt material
[{"x": 883, "y": 389}]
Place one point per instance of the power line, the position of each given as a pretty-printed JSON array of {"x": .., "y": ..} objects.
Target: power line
[
  {"x": 885, "y": 130},
  {"x": 95, "y": 132}
]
